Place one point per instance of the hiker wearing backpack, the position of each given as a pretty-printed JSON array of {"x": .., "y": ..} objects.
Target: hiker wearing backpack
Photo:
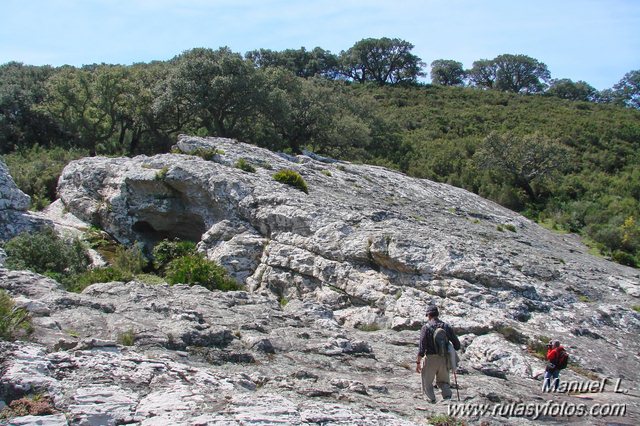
[
  {"x": 433, "y": 354},
  {"x": 557, "y": 359}
]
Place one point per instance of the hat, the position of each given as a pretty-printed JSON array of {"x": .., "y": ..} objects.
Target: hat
[{"x": 432, "y": 310}]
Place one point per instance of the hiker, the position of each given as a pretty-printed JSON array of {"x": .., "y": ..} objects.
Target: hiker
[
  {"x": 435, "y": 336},
  {"x": 557, "y": 357}
]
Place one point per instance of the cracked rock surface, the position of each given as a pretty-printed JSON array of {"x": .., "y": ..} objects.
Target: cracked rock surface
[{"x": 337, "y": 281}]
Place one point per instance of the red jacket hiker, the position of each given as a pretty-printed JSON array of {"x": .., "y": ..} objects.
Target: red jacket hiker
[{"x": 555, "y": 355}]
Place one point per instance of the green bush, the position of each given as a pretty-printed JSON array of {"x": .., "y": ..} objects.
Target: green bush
[
  {"x": 292, "y": 178},
  {"x": 195, "y": 269},
  {"x": 243, "y": 164},
  {"x": 78, "y": 282},
  {"x": 14, "y": 322},
  {"x": 129, "y": 260},
  {"x": 166, "y": 251},
  {"x": 46, "y": 253}
]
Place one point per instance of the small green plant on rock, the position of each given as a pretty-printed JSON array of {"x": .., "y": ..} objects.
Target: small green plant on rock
[
  {"x": 127, "y": 338},
  {"x": 636, "y": 308},
  {"x": 162, "y": 173},
  {"x": 292, "y": 178},
  {"x": 14, "y": 322},
  {"x": 368, "y": 327},
  {"x": 207, "y": 153},
  {"x": 445, "y": 420},
  {"x": 244, "y": 165},
  {"x": 510, "y": 227}
]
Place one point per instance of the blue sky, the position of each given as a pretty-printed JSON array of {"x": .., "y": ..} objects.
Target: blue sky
[{"x": 597, "y": 41}]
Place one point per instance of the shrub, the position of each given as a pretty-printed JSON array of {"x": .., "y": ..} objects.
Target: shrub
[
  {"x": 14, "y": 322},
  {"x": 243, "y": 164},
  {"x": 129, "y": 260},
  {"x": 625, "y": 258},
  {"x": 636, "y": 308},
  {"x": 292, "y": 178},
  {"x": 195, "y": 269},
  {"x": 166, "y": 251},
  {"x": 46, "y": 253},
  {"x": 78, "y": 282},
  {"x": 36, "y": 405}
]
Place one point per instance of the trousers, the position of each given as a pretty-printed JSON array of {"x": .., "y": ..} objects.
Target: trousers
[{"x": 435, "y": 367}]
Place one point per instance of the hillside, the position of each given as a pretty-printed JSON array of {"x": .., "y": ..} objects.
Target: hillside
[{"x": 52, "y": 115}]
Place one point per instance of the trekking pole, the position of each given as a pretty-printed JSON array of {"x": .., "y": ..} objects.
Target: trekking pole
[{"x": 455, "y": 378}]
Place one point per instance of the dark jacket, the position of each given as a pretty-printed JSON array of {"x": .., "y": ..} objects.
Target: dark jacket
[{"x": 426, "y": 337}]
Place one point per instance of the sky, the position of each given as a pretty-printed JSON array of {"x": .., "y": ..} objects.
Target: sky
[{"x": 597, "y": 41}]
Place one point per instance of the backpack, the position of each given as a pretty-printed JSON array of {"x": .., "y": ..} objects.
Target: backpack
[
  {"x": 441, "y": 340},
  {"x": 563, "y": 360}
]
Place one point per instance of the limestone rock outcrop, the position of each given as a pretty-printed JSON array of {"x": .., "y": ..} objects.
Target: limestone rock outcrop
[{"x": 337, "y": 281}]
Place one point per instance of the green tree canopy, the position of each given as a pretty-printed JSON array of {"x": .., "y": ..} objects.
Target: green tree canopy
[
  {"x": 565, "y": 88},
  {"x": 447, "y": 72},
  {"x": 381, "y": 60},
  {"x": 303, "y": 63},
  {"x": 22, "y": 88},
  {"x": 510, "y": 73},
  {"x": 214, "y": 90},
  {"x": 627, "y": 90},
  {"x": 525, "y": 159}
]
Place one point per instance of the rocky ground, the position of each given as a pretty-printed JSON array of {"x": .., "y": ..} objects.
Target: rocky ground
[{"x": 337, "y": 281}]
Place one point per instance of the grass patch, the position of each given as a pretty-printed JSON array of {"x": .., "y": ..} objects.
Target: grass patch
[
  {"x": 636, "y": 308},
  {"x": 127, "y": 338},
  {"x": 162, "y": 173},
  {"x": 368, "y": 327},
  {"x": 584, "y": 298},
  {"x": 326, "y": 172},
  {"x": 283, "y": 301},
  {"x": 291, "y": 178},
  {"x": 445, "y": 420},
  {"x": 207, "y": 153},
  {"x": 14, "y": 322},
  {"x": 244, "y": 165},
  {"x": 509, "y": 227}
]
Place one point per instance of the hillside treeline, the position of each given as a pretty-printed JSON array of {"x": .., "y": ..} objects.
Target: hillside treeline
[{"x": 557, "y": 151}]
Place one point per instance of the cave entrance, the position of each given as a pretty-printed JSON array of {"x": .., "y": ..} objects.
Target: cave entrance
[{"x": 186, "y": 227}]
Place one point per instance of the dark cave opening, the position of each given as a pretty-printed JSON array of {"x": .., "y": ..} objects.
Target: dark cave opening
[{"x": 185, "y": 227}]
